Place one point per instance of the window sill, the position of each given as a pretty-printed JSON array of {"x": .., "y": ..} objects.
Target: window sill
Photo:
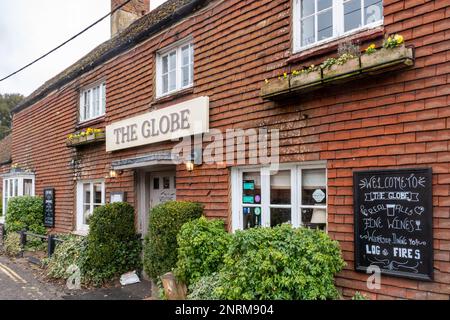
[
  {"x": 88, "y": 123},
  {"x": 331, "y": 46},
  {"x": 173, "y": 96}
]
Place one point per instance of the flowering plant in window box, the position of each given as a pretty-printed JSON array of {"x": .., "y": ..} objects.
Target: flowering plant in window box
[
  {"x": 345, "y": 65},
  {"x": 87, "y": 136},
  {"x": 276, "y": 86},
  {"x": 393, "y": 53},
  {"x": 305, "y": 77}
]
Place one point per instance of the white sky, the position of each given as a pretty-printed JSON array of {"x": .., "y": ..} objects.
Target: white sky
[{"x": 30, "y": 28}]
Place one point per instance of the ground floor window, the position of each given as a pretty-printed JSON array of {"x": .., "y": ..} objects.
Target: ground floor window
[
  {"x": 90, "y": 195},
  {"x": 295, "y": 194},
  {"x": 15, "y": 186}
]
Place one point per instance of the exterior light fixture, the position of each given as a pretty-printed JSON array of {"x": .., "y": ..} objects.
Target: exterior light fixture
[
  {"x": 112, "y": 173},
  {"x": 189, "y": 166}
]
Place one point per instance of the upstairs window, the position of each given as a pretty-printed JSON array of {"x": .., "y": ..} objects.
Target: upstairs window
[
  {"x": 175, "y": 68},
  {"x": 93, "y": 102},
  {"x": 318, "y": 21}
]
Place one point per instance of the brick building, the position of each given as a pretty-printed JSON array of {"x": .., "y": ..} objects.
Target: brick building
[{"x": 212, "y": 58}]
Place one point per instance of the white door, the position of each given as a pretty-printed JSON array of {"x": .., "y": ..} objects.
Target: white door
[{"x": 162, "y": 188}]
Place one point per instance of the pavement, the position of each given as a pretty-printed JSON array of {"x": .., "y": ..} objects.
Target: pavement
[{"x": 22, "y": 280}]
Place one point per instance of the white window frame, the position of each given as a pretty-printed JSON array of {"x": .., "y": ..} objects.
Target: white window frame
[
  {"x": 15, "y": 179},
  {"x": 338, "y": 25},
  {"x": 177, "y": 48},
  {"x": 81, "y": 227},
  {"x": 296, "y": 193},
  {"x": 101, "y": 86}
]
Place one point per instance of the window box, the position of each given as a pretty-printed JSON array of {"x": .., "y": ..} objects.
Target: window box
[
  {"x": 383, "y": 60},
  {"x": 87, "y": 137},
  {"x": 275, "y": 87},
  {"x": 305, "y": 79},
  {"x": 348, "y": 69},
  {"x": 387, "y": 58}
]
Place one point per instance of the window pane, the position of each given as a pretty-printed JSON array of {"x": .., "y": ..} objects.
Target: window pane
[
  {"x": 280, "y": 188},
  {"x": 373, "y": 10},
  {"x": 16, "y": 187},
  {"x": 96, "y": 92},
  {"x": 314, "y": 216},
  {"x": 324, "y": 4},
  {"x": 103, "y": 106},
  {"x": 279, "y": 216},
  {"x": 252, "y": 217},
  {"x": 87, "y": 193},
  {"x": 352, "y": 15},
  {"x": 98, "y": 199},
  {"x": 165, "y": 82},
  {"x": 166, "y": 183},
  {"x": 251, "y": 188},
  {"x": 11, "y": 188},
  {"x": 186, "y": 73},
  {"x": 314, "y": 187},
  {"x": 325, "y": 25},
  {"x": 172, "y": 80},
  {"x": 165, "y": 64},
  {"x": 155, "y": 183},
  {"x": 185, "y": 55},
  {"x": 86, "y": 213},
  {"x": 172, "y": 61},
  {"x": 6, "y": 189},
  {"x": 308, "y": 31},
  {"x": 27, "y": 187},
  {"x": 307, "y": 8}
]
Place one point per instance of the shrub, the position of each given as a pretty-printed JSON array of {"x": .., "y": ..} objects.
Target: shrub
[
  {"x": 11, "y": 245},
  {"x": 70, "y": 252},
  {"x": 160, "y": 251},
  {"x": 282, "y": 263},
  {"x": 25, "y": 213},
  {"x": 113, "y": 247},
  {"x": 204, "y": 289},
  {"x": 202, "y": 246},
  {"x": 359, "y": 296}
]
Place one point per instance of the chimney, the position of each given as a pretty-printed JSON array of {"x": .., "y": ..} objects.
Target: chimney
[{"x": 126, "y": 15}]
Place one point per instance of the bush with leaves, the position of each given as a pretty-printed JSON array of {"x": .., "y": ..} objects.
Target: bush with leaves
[
  {"x": 204, "y": 289},
  {"x": 25, "y": 213},
  {"x": 166, "y": 220},
  {"x": 113, "y": 247},
  {"x": 202, "y": 244},
  {"x": 70, "y": 252},
  {"x": 11, "y": 245},
  {"x": 282, "y": 263}
]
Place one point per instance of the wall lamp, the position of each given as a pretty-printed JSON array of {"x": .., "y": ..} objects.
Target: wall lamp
[
  {"x": 194, "y": 159},
  {"x": 115, "y": 173}
]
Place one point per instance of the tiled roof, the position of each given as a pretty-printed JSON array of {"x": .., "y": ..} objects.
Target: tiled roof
[
  {"x": 165, "y": 15},
  {"x": 5, "y": 150}
]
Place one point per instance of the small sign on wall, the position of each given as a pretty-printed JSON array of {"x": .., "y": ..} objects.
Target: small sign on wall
[
  {"x": 49, "y": 208},
  {"x": 393, "y": 222},
  {"x": 117, "y": 197}
]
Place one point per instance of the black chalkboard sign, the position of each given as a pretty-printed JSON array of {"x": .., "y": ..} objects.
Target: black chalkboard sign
[
  {"x": 393, "y": 222},
  {"x": 49, "y": 208}
]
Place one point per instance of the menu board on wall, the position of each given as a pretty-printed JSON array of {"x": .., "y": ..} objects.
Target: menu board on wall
[
  {"x": 49, "y": 208},
  {"x": 393, "y": 222}
]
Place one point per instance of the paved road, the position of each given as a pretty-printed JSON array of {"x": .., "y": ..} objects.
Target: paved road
[{"x": 20, "y": 283}]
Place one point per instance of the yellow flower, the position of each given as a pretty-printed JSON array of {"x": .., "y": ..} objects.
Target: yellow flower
[
  {"x": 398, "y": 38},
  {"x": 267, "y": 81},
  {"x": 70, "y": 137},
  {"x": 285, "y": 75}
]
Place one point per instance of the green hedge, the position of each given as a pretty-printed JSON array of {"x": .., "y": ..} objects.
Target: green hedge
[
  {"x": 25, "y": 213},
  {"x": 113, "y": 247},
  {"x": 202, "y": 246},
  {"x": 282, "y": 263},
  {"x": 70, "y": 252},
  {"x": 160, "y": 249}
]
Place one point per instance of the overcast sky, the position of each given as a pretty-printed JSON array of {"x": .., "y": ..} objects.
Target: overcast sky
[{"x": 30, "y": 28}]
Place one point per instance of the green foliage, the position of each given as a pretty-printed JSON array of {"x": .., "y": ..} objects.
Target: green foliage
[
  {"x": 281, "y": 263},
  {"x": 160, "y": 250},
  {"x": 113, "y": 247},
  {"x": 7, "y": 102},
  {"x": 359, "y": 296},
  {"x": 327, "y": 64},
  {"x": 70, "y": 252},
  {"x": 25, "y": 213},
  {"x": 11, "y": 245},
  {"x": 204, "y": 289},
  {"x": 202, "y": 246}
]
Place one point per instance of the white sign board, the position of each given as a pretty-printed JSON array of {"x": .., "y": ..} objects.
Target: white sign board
[
  {"x": 319, "y": 195},
  {"x": 181, "y": 120}
]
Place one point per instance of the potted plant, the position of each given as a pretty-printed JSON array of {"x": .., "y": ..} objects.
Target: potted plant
[
  {"x": 393, "y": 52},
  {"x": 343, "y": 66},
  {"x": 275, "y": 86},
  {"x": 305, "y": 77}
]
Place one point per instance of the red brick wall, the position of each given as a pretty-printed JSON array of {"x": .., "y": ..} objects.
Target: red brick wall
[{"x": 396, "y": 120}]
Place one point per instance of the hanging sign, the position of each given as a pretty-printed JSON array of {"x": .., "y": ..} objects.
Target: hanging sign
[{"x": 393, "y": 222}]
